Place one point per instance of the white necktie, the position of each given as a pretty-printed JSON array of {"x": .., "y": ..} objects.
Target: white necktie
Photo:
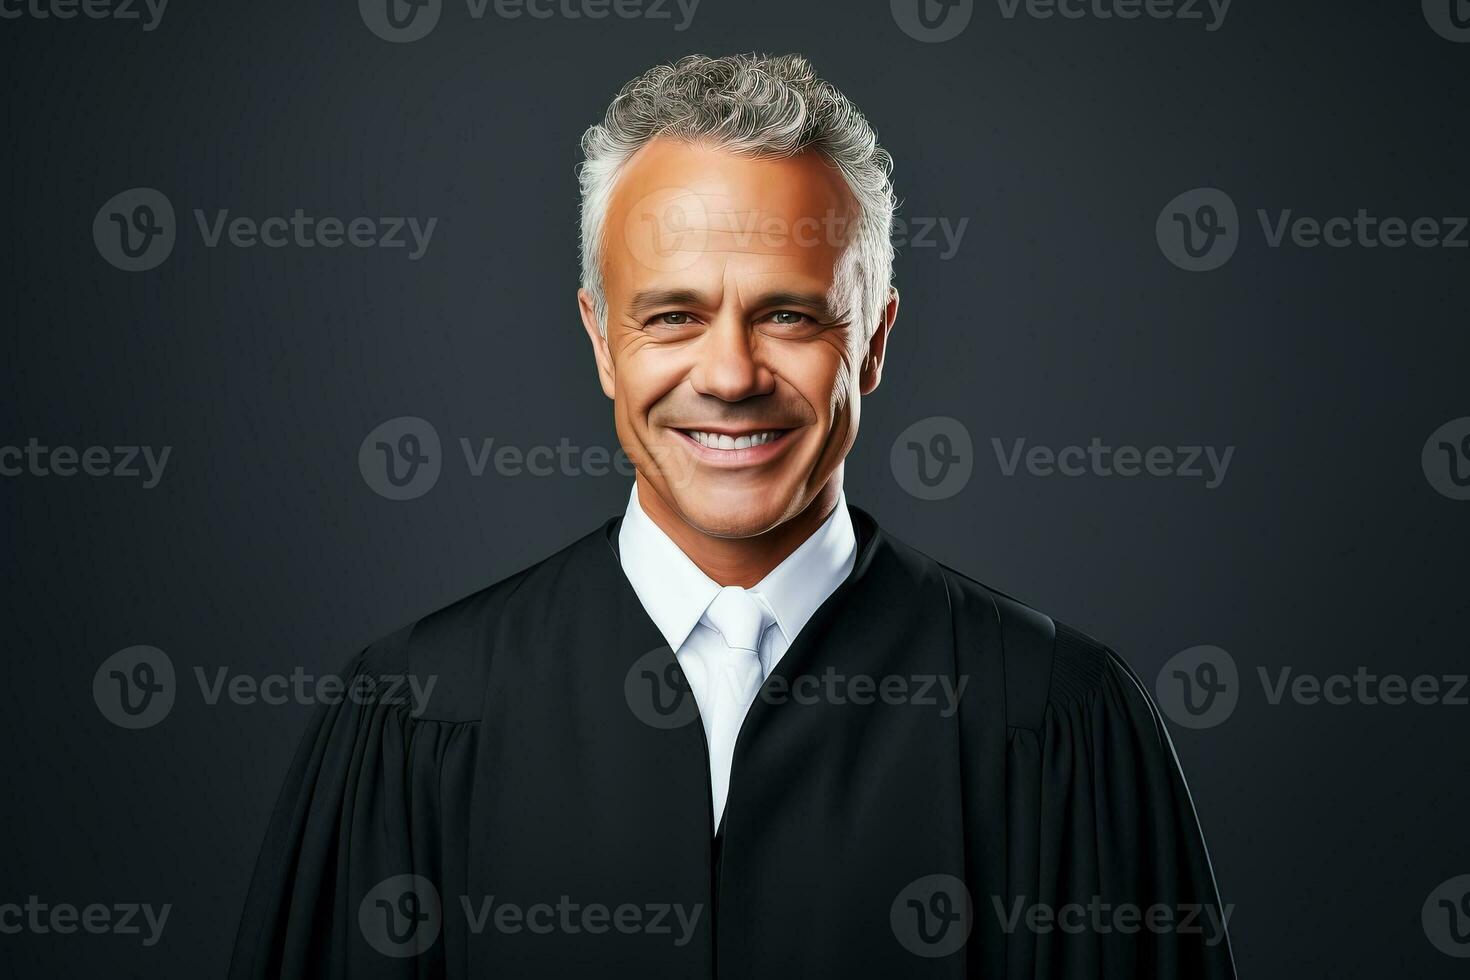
[{"x": 735, "y": 677}]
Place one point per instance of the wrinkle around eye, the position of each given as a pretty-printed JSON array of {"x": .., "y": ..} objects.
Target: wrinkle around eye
[{"x": 631, "y": 336}]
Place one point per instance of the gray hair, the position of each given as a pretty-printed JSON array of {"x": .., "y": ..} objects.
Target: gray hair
[{"x": 764, "y": 106}]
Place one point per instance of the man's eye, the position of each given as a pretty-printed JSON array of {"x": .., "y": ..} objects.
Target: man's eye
[
  {"x": 789, "y": 318},
  {"x": 672, "y": 320}
]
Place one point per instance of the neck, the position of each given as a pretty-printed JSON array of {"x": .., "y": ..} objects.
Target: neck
[{"x": 740, "y": 561}]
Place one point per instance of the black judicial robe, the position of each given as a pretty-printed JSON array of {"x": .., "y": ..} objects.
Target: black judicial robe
[{"x": 857, "y": 837}]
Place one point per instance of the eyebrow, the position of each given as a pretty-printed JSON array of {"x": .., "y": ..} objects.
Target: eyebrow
[
  {"x": 812, "y": 301},
  {"x": 651, "y": 299}
]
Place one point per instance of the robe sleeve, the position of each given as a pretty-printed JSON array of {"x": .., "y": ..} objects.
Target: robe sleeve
[
  {"x": 1104, "y": 840},
  {"x": 374, "y": 807}
]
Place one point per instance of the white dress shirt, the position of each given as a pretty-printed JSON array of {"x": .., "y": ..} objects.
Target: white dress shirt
[{"x": 676, "y": 594}]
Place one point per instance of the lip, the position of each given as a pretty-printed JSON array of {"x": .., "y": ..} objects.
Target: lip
[{"x": 753, "y": 456}]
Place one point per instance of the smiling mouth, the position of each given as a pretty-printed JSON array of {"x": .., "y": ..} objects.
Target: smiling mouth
[{"x": 731, "y": 443}]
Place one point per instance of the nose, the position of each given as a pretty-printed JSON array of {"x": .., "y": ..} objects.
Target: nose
[{"x": 728, "y": 368}]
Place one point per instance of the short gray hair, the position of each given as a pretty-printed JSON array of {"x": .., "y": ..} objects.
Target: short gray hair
[{"x": 764, "y": 106}]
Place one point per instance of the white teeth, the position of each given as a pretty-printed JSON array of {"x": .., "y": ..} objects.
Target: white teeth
[{"x": 714, "y": 440}]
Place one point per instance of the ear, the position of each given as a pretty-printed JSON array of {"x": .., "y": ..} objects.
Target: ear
[
  {"x": 605, "y": 372},
  {"x": 872, "y": 369}
]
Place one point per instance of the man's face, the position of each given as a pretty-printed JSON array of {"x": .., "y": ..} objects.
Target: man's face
[{"x": 735, "y": 384}]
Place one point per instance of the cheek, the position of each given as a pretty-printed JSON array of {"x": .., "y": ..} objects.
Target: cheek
[
  {"x": 646, "y": 376},
  {"x": 824, "y": 378}
]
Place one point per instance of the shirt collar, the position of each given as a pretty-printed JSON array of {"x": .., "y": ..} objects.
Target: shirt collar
[{"x": 675, "y": 593}]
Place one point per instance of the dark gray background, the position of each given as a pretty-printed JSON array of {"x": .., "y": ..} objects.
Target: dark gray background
[{"x": 1059, "y": 319}]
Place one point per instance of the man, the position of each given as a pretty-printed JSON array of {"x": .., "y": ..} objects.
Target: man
[{"x": 741, "y": 731}]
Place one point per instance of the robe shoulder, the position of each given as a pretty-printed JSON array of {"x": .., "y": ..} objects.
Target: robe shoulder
[
  {"x": 453, "y": 646},
  {"x": 380, "y": 788},
  {"x": 1048, "y": 665},
  {"x": 1097, "y": 810}
]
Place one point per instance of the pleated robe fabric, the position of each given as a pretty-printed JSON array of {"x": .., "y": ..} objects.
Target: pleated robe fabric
[{"x": 547, "y": 812}]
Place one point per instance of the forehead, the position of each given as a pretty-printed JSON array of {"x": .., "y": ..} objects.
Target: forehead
[{"x": 688, "y": 215}]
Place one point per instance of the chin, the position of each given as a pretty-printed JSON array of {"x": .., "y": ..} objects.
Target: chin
[{"x": 728, "y": 512}]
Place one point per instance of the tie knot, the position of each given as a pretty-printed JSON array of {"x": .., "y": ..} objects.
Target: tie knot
[{"x": 739, "y": 618}]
